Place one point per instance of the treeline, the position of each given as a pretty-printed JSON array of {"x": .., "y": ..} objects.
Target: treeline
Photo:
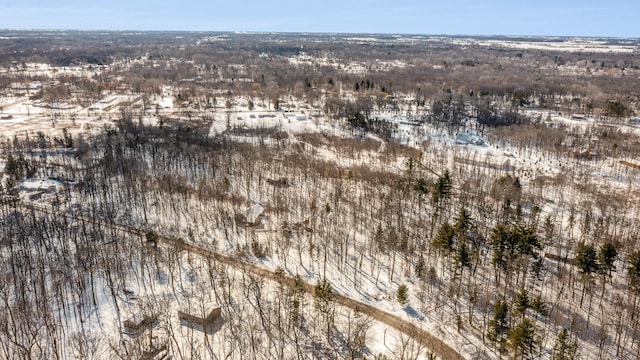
[{"x": 260, "y": 66}]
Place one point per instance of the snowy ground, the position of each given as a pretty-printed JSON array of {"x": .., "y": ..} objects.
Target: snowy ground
[{"x": 461, "y": 149}]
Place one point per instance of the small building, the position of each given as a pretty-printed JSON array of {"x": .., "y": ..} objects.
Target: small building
[
  {"x": 32, "y": 87},
  {"x": 213, "y": 315},
  {"x": 589, "y": 154},
  {"x": 138, "y": 323},
  {"x": 201, "y": 320}
]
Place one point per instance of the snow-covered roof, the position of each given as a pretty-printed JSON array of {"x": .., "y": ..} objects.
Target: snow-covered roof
[{"x": 253, "y": 212}]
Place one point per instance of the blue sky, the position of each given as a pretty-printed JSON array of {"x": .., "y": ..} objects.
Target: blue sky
[{"x": 473, "y": 17}]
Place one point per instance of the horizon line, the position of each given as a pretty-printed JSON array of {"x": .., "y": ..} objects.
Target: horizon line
[{"x": 258, "y": 32}]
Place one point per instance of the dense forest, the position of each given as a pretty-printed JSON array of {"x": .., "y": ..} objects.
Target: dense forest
[{"x": 523, "y": 245}]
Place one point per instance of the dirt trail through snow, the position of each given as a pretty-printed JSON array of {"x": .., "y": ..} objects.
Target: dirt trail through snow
[{"x": 435, "y": 345}]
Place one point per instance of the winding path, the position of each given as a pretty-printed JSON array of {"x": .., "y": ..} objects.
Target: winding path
[{"x": 432, "y": 343}]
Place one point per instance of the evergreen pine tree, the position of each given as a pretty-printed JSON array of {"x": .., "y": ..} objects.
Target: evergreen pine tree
[
  {"x": 565, "y": 347},
  {"x": 462, "y": 258},
  {"x": 499, "y": 326},
  {"x": 607, "y": 256},
  {"x": 539, "y": 306},
  {"x": 522, "y": 302},
  {"x": 523, "y": 339},
  {"x": 443, "y": 241},
  {"x": 403, "y": 294},
  {"x": 634, "y": 271}
]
